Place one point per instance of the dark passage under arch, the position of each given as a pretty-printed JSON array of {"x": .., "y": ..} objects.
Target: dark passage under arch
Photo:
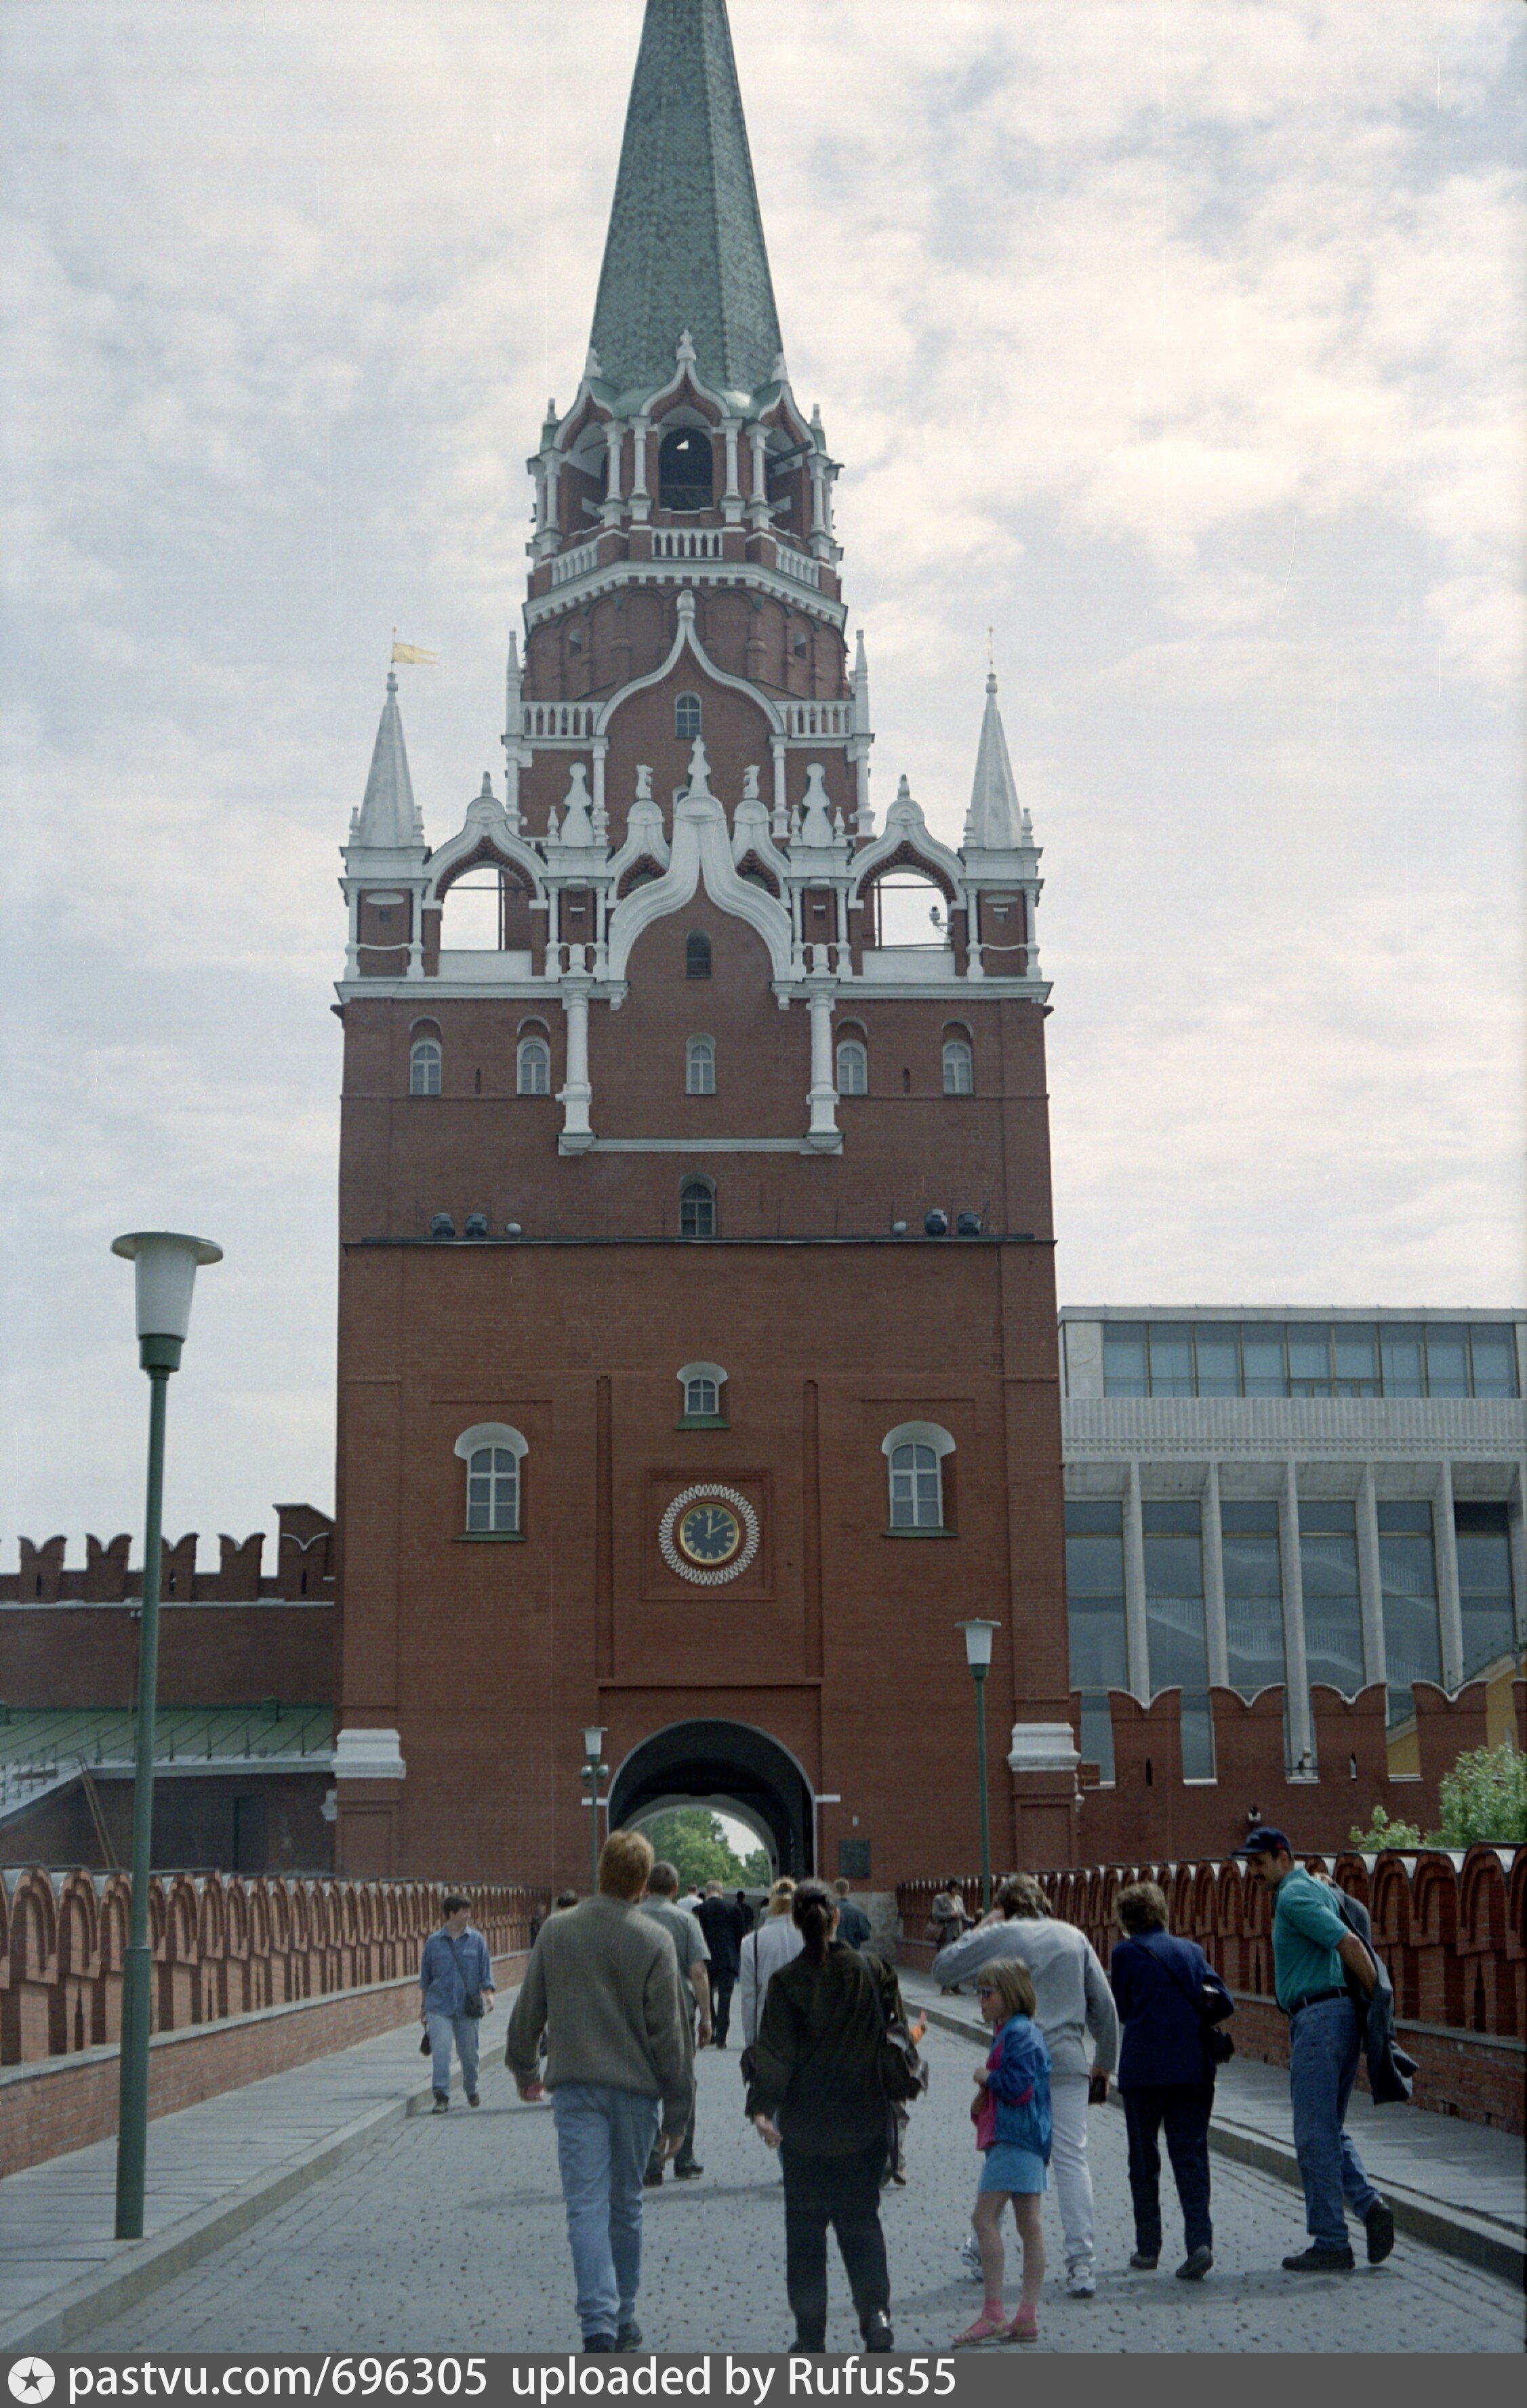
[{"x": 717, "y": 1761}]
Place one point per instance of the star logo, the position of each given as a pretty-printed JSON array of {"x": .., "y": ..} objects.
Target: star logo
[{"x": 31, "y": 2378}]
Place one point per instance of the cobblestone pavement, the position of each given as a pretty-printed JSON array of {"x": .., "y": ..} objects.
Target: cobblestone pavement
[{"x": 448, "y": 2234}]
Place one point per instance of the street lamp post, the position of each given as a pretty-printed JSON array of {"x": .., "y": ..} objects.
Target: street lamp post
[
  {"x": 978, "y": 1657},
  {"x": 164, "y": 1267},
  {"x": 593, "y": 1749}
]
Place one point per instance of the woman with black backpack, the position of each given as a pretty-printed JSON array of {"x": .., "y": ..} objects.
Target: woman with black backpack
[{"x": 832, "y": 2020}]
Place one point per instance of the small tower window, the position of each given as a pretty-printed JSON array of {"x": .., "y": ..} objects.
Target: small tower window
[
  {"x": 697, "y": 1209},
  {"x": 492, "y": 1454},
  {"x": 958, "y": 1068},
  {"x": 916, "y": 1490},
  {"x": 853, "y": 1068},
  {"x": 424, "y": 1067},
  {"x": 685, "y": 470},
  {"x": 700, "y": 1395},
  {"x": 535, "y": 1066},
  {"x": 699, "y": 1067},
  {"x": 700, "y": 1386},
  {"x": 687, "y": 717},
  {"x": 697, "y": 955}
]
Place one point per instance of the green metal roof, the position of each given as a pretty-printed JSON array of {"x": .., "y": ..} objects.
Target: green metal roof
[
  {"x": 45, "y": 1742},
  {"x": 685, "y": 245}
]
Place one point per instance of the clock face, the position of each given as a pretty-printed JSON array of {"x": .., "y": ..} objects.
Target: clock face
[{"x": 710, "y": 1534}]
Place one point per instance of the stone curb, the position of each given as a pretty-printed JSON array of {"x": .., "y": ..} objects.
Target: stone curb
[{"x": 1474, "y": 2238}]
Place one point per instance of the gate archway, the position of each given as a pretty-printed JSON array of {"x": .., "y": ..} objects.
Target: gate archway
[{"x": 728, "y": 1766}]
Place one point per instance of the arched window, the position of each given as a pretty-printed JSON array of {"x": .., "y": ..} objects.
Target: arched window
[
  {"x": 700, "y": 1385},
  {"x": 494, "y": 1455},
  {"x": 687, "y": 717},
  {"x": 853, "y": 1068},
  {"x": 699, "y": 1067},
  {"x": 424, "y": 1067},
  {"x": 697, "y": 955},
  {"x": 685, "y": 470},
  {"x": 959, "y": 1066},
  {"x": 533, "y": 1071},
  {"x": 915, "y": 1453},
  {"x": 697, "y": 1209}
]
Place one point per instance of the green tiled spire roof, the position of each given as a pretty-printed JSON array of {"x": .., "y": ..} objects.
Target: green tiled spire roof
[{"x": 685, "y": 247}]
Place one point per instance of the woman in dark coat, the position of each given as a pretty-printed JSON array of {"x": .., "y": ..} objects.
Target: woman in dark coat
[
  {"x": 816, "y": 2096},
  {"x": 1166, "y": 1990}
]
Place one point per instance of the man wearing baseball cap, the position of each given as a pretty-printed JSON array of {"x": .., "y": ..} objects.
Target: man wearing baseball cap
[{"x": 1313, "y": 1953}]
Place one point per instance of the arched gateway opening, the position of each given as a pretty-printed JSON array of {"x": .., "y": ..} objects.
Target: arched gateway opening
[{"x": 728, "y": 1766}]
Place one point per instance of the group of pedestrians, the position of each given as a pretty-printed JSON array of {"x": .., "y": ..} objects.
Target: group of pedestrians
[{"x": 622, "y": 1990}]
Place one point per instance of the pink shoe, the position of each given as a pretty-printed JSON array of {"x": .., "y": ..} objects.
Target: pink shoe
[
  {"x": 1024, "y": 2327},
  {"x": 985, "y": 2327}
]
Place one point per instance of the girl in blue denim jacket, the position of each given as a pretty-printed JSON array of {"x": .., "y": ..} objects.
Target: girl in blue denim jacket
[{"x": 1012, "y": 2116}]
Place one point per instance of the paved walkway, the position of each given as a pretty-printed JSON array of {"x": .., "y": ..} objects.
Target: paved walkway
[{"x": 447, "y": 2233}]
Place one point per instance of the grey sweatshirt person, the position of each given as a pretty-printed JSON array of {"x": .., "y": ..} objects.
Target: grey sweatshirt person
[
  {"x": 603, "y": 1984},
  {"x": 1070, "y": 1987}
]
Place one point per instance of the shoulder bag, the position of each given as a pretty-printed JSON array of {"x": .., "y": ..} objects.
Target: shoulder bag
[
  {"x": 1211, "y": 2010},
  {"x": 903, "y": 2075}
]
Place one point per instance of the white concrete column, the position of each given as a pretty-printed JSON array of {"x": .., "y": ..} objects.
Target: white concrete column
[
  {"x": 553, "y": 476},
  {"x": 1030, "y": 932},
  {"x": 353, "y": 945},
  {"x": 1215, "y": 1633},
  {"x": 1136, "y": 1627},
  {"x": 821, "y": 540},
  {"x": 1296, "y": 1673},
  {"x": 758, "y": 506},
  {"x": 1450, "y": 1605},
  {"x": 416, "y": 933},
  {"x": 778, "y": 826},
  {"x": 614, "y": 436},
  {"x": 598, "y": 816},
  {"x": 641, "y": 498},
  {"x": 1371, "y": 1580},
  {"x": 576, "y": 1094},
  {"x": 731, "y": 500},
  {"x": 975, "y": 968},
  {"x": 822, "y": 1095}
]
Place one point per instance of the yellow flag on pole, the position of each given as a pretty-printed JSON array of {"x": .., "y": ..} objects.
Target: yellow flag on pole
[{"x": 414, "y": 654}]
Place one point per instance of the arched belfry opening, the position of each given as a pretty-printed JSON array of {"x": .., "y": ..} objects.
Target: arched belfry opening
[
  {"x": 685, "y": 470},
  {"x": 730, "y": 1766}
]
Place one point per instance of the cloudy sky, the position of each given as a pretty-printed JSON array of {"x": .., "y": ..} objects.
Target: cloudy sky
[{"x": 1180, "y": 345}]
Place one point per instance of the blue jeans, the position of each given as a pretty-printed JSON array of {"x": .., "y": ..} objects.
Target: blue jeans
[
  {"x": 604, "y": 2137},
  {"x": 463, "y": 2029},
  {"x": 1323, "y": 2050}
]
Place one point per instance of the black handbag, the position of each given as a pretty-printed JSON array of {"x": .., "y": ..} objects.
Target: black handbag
[
  {"x": 903, "y": 2075},
  {"x": 1218, "y": 2048},
  {"x": 472, "y": 2006}
]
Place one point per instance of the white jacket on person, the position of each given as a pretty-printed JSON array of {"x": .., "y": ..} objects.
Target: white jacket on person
[
  {"x": 764, "y": 1951},
  {"x": 1071, "y": 1988}
]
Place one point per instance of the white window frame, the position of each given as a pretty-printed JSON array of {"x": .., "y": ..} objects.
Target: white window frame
[
  {"x": 937, "y": 1440},
  {"x": 958, "y": 1056},
  {"x": 855, "y": 1047},
  {"x": 699, "y": 1179},
  {"x": 425, "y": 1054},
  {"x": 491, "y": 1437},
  {"x": 543, "y": 1045},
  {"x": 699, "y": 1066},
  {"x": 687, "y": 734},
  {"x": 703, "y": 1376}
]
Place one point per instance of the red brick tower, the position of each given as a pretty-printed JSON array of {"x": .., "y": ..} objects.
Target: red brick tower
[{"x": 698, "y": 1342}]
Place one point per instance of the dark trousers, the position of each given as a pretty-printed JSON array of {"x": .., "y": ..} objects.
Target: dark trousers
[
  {"x": 1184, "y": 2108},
  {"x": 844, "y": 2192},
  {"x": 722, "y": 1987}
]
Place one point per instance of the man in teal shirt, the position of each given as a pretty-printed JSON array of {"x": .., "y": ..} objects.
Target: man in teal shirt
[{"x": 1313, "y": 1953}]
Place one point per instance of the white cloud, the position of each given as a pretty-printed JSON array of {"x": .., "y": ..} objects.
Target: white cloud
[{"x": 1181, "y": 344}]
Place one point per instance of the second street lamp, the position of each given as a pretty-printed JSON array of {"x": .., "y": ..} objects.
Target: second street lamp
[
  {"x": 164, "y": 1265},
  {"x": 593, "y": 1748},
  {"x": 978, "y": 1635}
]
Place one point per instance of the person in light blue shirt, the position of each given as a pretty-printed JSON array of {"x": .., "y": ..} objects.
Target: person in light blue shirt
[
  {"x": 1313, "y": 1955},
  {"x": 456, "y": 1978}
]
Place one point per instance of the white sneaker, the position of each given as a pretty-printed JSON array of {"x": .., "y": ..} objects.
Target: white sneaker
[
  {"x": 1081, "y": 2283},
  {"x": 970, "y": 2259}
]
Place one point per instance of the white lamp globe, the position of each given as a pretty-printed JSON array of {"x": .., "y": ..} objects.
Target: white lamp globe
[
  {"x": 594, "y": 1741},
  {"x": 165, "y": 1264},
  {"x": 978, "y": 1643}
]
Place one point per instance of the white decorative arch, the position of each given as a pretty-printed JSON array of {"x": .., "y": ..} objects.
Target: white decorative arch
[
  {"x": 491, "y": 1434},
  {"x": 919, "y": 1434},
  {"x": 701, "y": 854},
  {"x": 685, "y": 635},
  {"x": 687, "y": 1371},
  {"x": 907, "y": 830}
]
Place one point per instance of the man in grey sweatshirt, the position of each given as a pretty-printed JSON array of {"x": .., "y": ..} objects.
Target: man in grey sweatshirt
[
  {"x": 603, "y": 1984},
  {"x": 1073, "y": 2000}
]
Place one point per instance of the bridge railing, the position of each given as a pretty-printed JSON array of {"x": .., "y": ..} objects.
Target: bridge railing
[
  {"x": 1449, "y": 1922},
  {"x": 223, "y": 1944}
]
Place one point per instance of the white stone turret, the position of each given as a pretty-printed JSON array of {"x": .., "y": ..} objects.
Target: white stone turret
[
  {"x": 386, "y": 854},
  {"x": 388, "y": 818},
  {"x": 994, "y": 823}
]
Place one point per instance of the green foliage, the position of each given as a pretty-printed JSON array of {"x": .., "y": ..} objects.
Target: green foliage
[
  {"x": 1484, "y": 1797},
  {"x": 695, "y": 1842},
  {"x": 1382, "y": 1833}
]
